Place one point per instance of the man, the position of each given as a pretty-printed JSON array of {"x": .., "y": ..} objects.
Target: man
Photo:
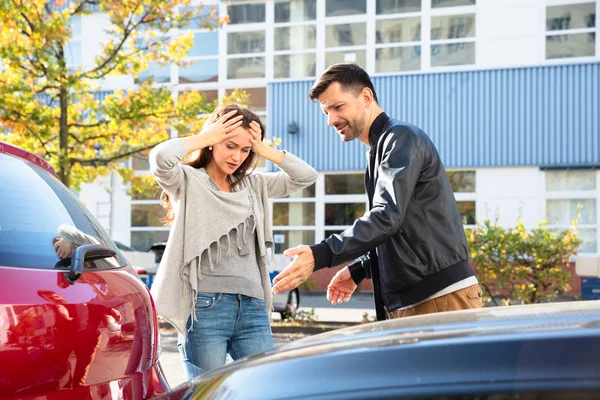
[{"x": 411, "y": 242}]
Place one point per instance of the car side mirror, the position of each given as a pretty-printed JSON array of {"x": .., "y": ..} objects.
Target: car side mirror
[{"x": 86, "y": 252}]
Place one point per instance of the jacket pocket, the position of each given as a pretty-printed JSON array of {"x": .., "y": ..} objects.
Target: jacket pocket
[{"x": 410, "y": 246}]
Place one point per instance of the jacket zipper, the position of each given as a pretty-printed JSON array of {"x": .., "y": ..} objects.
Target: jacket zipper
[{"x": 412, "y": 248}]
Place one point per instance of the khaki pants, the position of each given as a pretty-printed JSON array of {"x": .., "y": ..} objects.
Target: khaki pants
[{"x": 469, "y": 297}]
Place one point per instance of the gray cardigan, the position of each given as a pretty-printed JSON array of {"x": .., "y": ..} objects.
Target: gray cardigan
[{"x": 203, "y": 215}]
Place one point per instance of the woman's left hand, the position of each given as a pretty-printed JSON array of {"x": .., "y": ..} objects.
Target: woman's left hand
[{"x": 258, "y": 145}]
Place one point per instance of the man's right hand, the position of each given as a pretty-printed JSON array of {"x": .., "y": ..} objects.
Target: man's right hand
[{"x": 341, "y": 287}]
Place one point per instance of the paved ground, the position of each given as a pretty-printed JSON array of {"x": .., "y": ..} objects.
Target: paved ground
[{"x": 351, "y": 312}]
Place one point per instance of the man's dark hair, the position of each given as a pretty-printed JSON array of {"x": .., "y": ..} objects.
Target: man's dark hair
[{"x": 349, "y": 76}]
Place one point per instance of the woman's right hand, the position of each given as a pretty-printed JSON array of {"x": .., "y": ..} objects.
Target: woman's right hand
[{"x": 216, "y": 129}]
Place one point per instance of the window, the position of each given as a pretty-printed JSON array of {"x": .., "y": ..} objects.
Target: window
[
  {"x": 295, "y": 44},
  {"x": 200, "y": 71},
  {"x": 346, "y": 35},
  {"x": 345, "y": 184},
  {"x": 574, "y": 194},
  {"x": 258, "y": 99},
  {"x": 156, "y": 72},
  {"x": 397, "y": 6},
  {"x": 337, "y": 8},
  {"x": 246, "y": 13},
  {"x": 463, "y": 186},
  {"x": 294, "y": 219},
  {"x": 142, "y": 240},
  {"x": 35, "y": 211},
  {"x": 571, "y": 31},
  {"x": 295, "y": 10},
  {"x": 451, "y": 3},
  {"x": 398, "y": 44},
  {"x": 246, "y": 54},
  {"x": 452, "y": 40}
]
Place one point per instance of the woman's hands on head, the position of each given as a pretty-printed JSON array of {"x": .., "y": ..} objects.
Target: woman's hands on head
[{"x": 216, "y": 129}]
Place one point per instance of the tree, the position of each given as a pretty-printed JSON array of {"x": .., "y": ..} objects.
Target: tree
[
  {"x": 520, "y": 265},
  {"x": 56, "y": 109}
]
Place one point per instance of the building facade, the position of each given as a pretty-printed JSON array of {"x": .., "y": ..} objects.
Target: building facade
[{"x": 508, "y": 90}]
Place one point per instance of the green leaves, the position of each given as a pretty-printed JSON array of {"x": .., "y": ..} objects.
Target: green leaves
[{"x": 517, "y": 265}]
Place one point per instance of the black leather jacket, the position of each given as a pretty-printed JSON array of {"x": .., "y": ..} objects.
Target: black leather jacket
[{"x": 411, "y": 242}]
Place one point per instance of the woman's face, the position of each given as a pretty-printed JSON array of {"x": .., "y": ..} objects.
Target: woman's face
[{"x": 232, "y": 152}]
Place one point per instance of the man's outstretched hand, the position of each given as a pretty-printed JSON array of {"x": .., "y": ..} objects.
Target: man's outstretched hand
[
  {"x": 341, "y": 287},
  {"x": 297, "y": 272}
]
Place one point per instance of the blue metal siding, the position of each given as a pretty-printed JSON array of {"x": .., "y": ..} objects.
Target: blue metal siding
[{"x": 535, "y": 116}]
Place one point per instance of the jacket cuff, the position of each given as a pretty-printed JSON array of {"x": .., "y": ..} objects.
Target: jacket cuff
[
  {"x": 357, "y": 271},
  {"x": 322, "y": 254}
]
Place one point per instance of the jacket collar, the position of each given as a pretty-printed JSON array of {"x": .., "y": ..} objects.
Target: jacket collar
[{"x": 376, "y": 129}]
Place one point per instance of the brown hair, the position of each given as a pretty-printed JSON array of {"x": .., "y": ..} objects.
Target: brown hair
[
  {"x": 205, "y": 155},
  {"x": 349, "y": 76}
]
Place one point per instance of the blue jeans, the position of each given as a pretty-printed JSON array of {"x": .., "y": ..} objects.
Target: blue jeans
[{"x": 226, "y": 323}]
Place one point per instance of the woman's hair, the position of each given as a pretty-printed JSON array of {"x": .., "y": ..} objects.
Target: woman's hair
[{"x": 205, "y": 155}]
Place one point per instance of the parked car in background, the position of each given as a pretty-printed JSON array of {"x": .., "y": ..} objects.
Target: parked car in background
[
  {"x": 143, "y": 262},
  {"x": 532, "y": 352},
  {"x": 76, "y": 322}
]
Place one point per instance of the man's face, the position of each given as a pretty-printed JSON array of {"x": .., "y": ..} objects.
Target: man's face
[{"x": 345, "y": 110}]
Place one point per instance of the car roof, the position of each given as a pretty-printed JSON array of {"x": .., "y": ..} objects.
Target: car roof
[
  {"x": 532, "y": 347},
  {"x": 25, "y": 155}
]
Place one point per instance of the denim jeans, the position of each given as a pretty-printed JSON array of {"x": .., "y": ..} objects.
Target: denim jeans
[{"x": 226, "y": 323}]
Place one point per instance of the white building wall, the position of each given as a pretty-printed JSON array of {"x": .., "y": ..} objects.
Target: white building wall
[{"x": 509, "y": 194}]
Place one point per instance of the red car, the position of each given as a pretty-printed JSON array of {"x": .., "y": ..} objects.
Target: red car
[{"x": 76, "y": 322}]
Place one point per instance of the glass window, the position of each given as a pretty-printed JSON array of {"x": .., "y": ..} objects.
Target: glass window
[
  {"x": 462, "y": 181},
  {"x": 451, "y": 3},
  {"x": 343, "y": 213},
  {"x": 346, "y": 35},
  {"x": 336, "y": 8},
  {"x": 295, "y": 37},
  {"x": 143, "y": 240},
  {"x": 295, "y": 10},
  {"x": 257, "y": 97},
  {"x": 570, "y": 180},
  {"x": 396, "y": 59},
  {"x": 295, "y": 65},
  {"x": 146, "y": 215},
  {"x": 574, "y": 45},
  {"x": 245, "y": 13},
  {"x": 350, "y": 56},
  {"x": 453, "y": 27},
  {"x": 200, "y": 71},
  {"x": 250, "y": 67},
  {"x": 205, "y": 44},
  {"x": 155, "y": 73},
  {"x": 467, "y": 212},
  {"x": 563, "y": 212},
  {"x": 452, "y": 54},
  {"x": 287, "y": 239},
  {"x": 398, "y": 6},
  {"x": 296, "y": 214},
  {"x": 398, "y": 30},
  {"x": 35, "y": 212},
  {"x": 572, "y": 16},
  {"x": 345, "y": 184},
  {"x": 245, "y": 42}
]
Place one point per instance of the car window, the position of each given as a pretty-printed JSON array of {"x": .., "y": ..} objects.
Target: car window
[{"x": 41, "y": 221}]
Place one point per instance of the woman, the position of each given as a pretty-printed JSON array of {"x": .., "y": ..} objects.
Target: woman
[{"x": 213, "y": 282}]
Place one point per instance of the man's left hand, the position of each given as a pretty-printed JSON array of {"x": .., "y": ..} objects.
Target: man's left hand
[{"x": 297, "y": 272}]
